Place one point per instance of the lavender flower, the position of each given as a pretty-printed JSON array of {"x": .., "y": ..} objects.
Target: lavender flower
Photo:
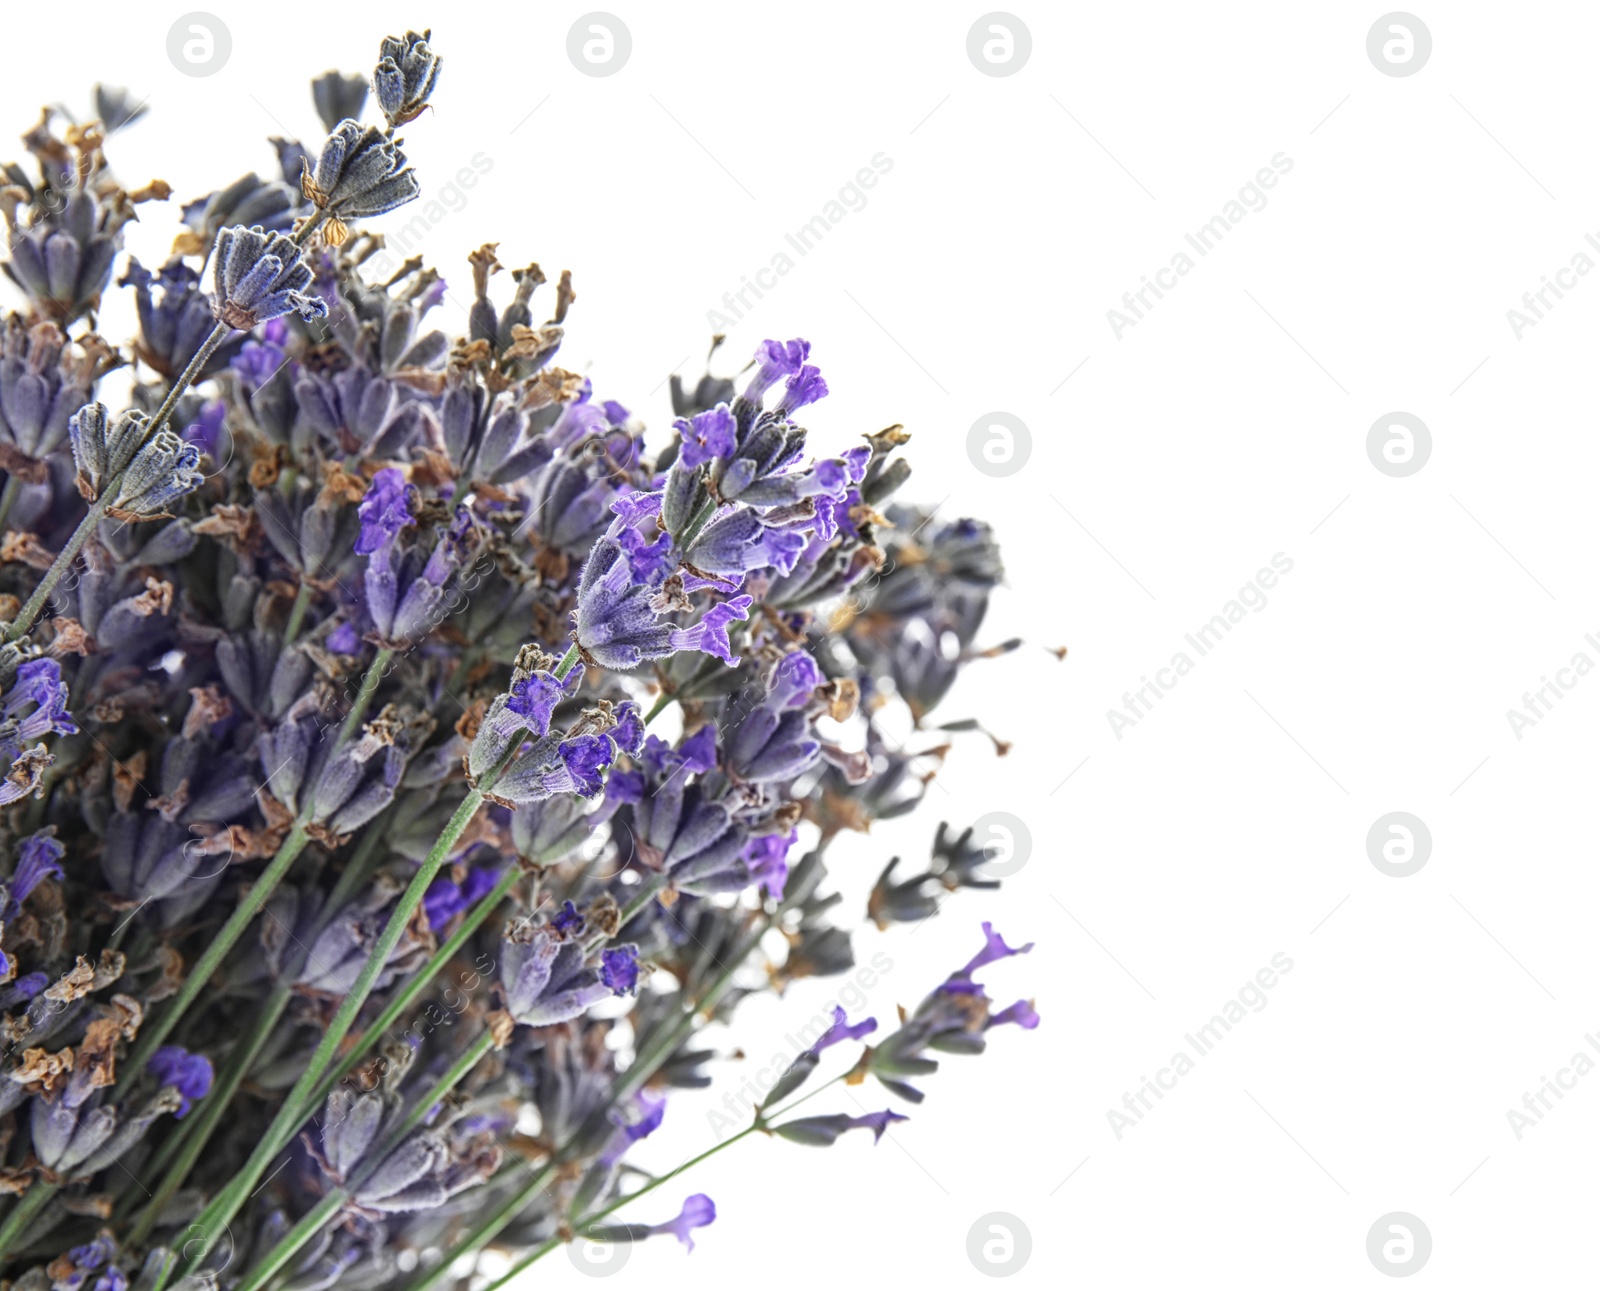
[
  {"x": 38, "y": 858},
  {"x": 188, "y": 1073},
  {"x": 260, "y": 276},
  {"x": 618, "y": 617},
  {"x": 338, "y": 97},
  {"x": 161, "y": 472},
  {"x": 103, "y": 448},
  {"x": 41, "y": 386},
  {"x": 824, "y": 1131},
  {"x": 407, "y": 73},
  {"x": 546, "y": 978},
  {"x": 359, "y": 173},
  {"x": 174, "y": 324},
  {"x": 951, "y": 1020}
]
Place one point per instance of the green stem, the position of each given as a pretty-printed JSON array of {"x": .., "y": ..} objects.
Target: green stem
[
  {"x": 363, "y": 700},
  {"x": 183, "y": 1148},
  {"x": 642, "y": 1068},
  {"x": 594, "y": 1217},
  {"x": 567, "y": 661},
  {"x": 16, "y": 1223},
  {"x": 763, "y": 1122},
  {"x": 30, "y": 612},
  {"x": 297, "y": 612},
  {"x": 186, "y": 378},
  {"x": 153, "y": 1033},
  {"x": 297, "y": 1105},
  {"x": 418, "y": 983},
  {"x": 324, "y": 1210},
  {"x": 191, "y": 1140},
  {"x": 8, "y": 498},
  {"x": 657, "y": 708}
]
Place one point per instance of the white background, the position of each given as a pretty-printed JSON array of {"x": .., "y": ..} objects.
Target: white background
[{"x": 1227, "y": 426}]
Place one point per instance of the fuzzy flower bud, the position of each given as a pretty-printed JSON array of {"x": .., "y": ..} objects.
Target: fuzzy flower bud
[
  {"x": 359, "y": 173},
  {"x": 405, "y": 76},
  {"x": 163, "y": 471},
  {"x": 101, "y": 447},
  {"x": 260, "y": 276}
]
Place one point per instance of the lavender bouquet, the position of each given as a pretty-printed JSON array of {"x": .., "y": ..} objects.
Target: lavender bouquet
[{"x": 355, "y": 920}]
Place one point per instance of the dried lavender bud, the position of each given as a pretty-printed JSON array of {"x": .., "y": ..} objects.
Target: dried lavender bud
[
  {"x": 824, "y": 1131},
  {"x": 261, "y": 276},
  {"x": 163, "y": 471},
  {"x": 338, "y": 96},
  {"x": 174, "y": 326},
  {"x": 406, "y": 75},
  {"x": 103, "y": 448},
  {"x": 41, "y": 386},
  {"x": 359, "y": 173}
]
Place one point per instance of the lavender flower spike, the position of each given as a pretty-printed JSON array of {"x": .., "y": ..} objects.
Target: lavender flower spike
[
  {"x": 164, "y": 470},
  {"x": 405, "y": 77},
  {"x": 359, "y": 173},
  {"x": 260, "y": 276},
  {"x": 102, "y": 448}
]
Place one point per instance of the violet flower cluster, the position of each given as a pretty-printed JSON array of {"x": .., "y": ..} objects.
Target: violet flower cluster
[{"x": 406, "y": 752}]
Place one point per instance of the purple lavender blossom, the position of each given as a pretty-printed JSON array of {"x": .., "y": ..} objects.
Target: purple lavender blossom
[
  {"x": 38, "y": 685},
  {"x": 619, "y": 969},
  {"x": 706, "y": 435},
  {"x": 841, "y": 1031},
  {"x": 384, "y": 511},
  {"x": 189, "y": 1073},
  {"x": 38, "y": 858},
  {"x": 544, "y": 976},
  {"x": 775, "y": 360},
  {"x": 698, "y": 1211}
]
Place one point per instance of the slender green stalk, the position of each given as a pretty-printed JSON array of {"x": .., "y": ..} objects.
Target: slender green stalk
[
  {"x": 594, "y": 1217},
  {"x": 188, "y": 1143},
  {"x": 297, "y": 612},
  {"x": 297, "y": 1105},
  {"x": 657, "y": 708},
  {"x": 567, "y": 661},
  {"x": 324, "y": 1210},
  {"x": 363, "y": 700},
  {"x": 763, "y": 1123},
  {"x": 215, "y": 337},
  {"x": 8, "y": 498},
  {"x": 22, "y": 1214},
  {"x": 418, "y": 983},
  {"x": 183, "y": 1148},
  {"x": 643, "y": 1067},
  {"x": 29, "y": 613},
  {"x": 154, "y": 1032}
]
